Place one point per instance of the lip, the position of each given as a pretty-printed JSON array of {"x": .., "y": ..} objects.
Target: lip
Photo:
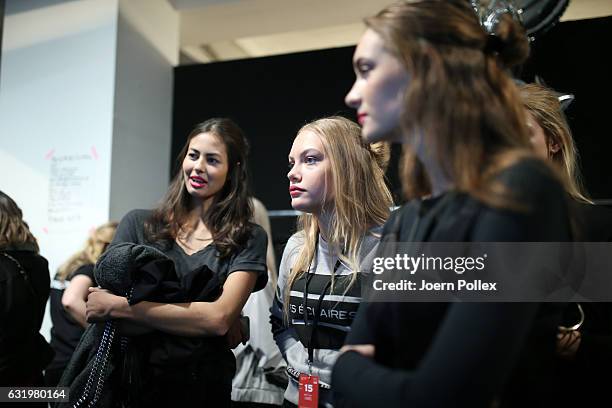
[
  {"x": 361, "y": 118},
  {"x": 295, "y": 191},
  {"x": 197, "y": 182}
]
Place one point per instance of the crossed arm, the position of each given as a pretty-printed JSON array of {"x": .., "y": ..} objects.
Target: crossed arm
[{"x": 193, "y": 319}]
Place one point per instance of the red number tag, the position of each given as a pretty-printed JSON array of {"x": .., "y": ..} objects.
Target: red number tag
[{"x": 309, "y": 391}]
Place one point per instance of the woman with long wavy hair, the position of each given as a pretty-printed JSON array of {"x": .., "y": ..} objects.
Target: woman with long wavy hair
[
  {"x": 203, "y": 223},
  {"x": 428, "y": 75},
  {"x": 337, "y": 181}
]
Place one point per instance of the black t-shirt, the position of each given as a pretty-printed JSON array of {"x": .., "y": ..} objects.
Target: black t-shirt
[
  {"x": 65, "y": 333},
  {"x": 250, "y": 258},
  {"x": 212, "y": 363}
]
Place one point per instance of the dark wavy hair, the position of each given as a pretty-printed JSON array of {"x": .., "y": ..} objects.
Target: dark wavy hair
[
  {"x": 231, "y": 210},
  {"x": 14, "y": 231}
]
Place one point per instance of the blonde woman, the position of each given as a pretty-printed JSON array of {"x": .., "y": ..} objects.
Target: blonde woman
[
  {"x": 69, "y": 291},
  {"x": 551, "y": 136},
  {"x": 337, "y": 181}
]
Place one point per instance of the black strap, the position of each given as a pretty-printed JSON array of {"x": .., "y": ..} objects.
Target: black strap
[
  {"x": 317, "y": 310},
  {"x": 22, "y": 272}
]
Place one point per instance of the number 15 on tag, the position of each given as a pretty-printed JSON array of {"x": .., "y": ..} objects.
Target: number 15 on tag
[{"x": 309, "y": 391}]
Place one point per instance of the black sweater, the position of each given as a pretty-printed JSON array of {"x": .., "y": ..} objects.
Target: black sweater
[{"x": 460, "y": 354}]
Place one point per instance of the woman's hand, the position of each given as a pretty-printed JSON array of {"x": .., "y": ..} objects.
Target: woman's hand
[
  {"x": 568, "y": 343},
  {"x": 101, "y": 305},
  {"x": 366, "y": 350}
]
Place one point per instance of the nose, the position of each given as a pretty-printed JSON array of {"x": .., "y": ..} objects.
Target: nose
[
  {"x": 293, "y": 174},
  {"x": 353, "y": 99},
  {"x": 200, "y": 166}
]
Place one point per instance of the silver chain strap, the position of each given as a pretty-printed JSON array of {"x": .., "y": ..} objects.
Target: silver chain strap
[{"x": 101, "y": 361}]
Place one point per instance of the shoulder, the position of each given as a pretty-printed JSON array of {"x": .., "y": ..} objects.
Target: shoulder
[
  {"x": 136, "y": 216},
  {"x": 294, "y": 243},
  {"x": 530, "y": 176},
  {"x": 257, "y": 232},
  {"x": 398, "y": 217},
  {"x": 87, "y": 270},
  {"x": 131, "y": 227},
  {"x": 292, "y": 248},
  {"x": 372, "y": 238}
]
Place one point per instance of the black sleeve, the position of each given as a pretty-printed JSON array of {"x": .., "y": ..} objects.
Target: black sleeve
[
  {"x": 364, "y": 327},
  {"x": 253, "y": 257},
  {"x": 131, "y": 227},
  {"x": 87, "y": 270},
  {"x": 466, "y": 366}
]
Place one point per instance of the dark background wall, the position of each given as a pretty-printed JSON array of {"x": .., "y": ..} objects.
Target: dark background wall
[
  {"x": 272, "y": 97},
  {"x": 574, "y": 57}
]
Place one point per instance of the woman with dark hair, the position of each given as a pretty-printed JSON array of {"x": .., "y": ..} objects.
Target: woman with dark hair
[
  {"x": 24, "y": 290},
  {"x": 202, "y": 223},
  {"x": 430, "y": 76}
]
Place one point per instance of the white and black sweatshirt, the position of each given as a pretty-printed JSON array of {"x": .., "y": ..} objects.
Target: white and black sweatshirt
[{"x": 337, "y": 309}]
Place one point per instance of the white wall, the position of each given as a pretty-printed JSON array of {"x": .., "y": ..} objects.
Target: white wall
[
  {"x": 85, "y": 113},
  {"x": 147, "y": 49},
  {"x": 56, "y": 118}
]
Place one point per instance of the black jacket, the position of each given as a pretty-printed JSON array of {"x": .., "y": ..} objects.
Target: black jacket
[{"x": 24, "y": 290}]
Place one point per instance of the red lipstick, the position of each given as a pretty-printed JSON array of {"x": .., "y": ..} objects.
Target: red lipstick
[
  {"x": 295, "y": 191},
  {"x": 361, "y": 118}
]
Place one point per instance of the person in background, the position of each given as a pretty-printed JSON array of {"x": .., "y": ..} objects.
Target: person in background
[
  {"x": 260, "y": 378},
  {"x": 69, "y": 291},
  {"x": 584, "y": 341},
  {"x": 338, "y": 182},
  {"x": 24, "y": 290}
]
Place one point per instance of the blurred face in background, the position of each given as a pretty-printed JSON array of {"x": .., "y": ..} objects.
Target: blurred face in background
[
  {"x": 541, "y": 144},
  {"x": 378, "y": 91}
]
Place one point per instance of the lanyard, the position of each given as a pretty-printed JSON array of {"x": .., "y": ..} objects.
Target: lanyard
[{"x": 317, "y": 310}]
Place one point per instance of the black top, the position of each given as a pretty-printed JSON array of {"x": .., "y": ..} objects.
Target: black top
[
  {"x": 583, "y": 380},
  {"x": 65, "y": 333},
  {"x": 250, "y": 258},
  {"x": 460, "y": 354},
  {"x": 24, "y": 290},
  {"x": 214, "y": 369}
]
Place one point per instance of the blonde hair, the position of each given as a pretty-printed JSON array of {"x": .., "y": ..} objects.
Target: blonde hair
[
  {"x": 95, "y": 246},
  {"x": 361, "y": 201},
  {"x": 14, "y": 231},
  {"x": 543, "y": 103}
]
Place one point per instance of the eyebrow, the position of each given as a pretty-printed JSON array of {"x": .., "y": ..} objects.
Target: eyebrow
[
  {"x": 207, "y": 154},
  {"x": 310, "y": 150}
]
